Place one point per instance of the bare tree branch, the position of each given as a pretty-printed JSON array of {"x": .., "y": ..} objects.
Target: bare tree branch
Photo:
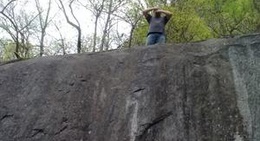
[
  {"x": 44, "y": 22},
  {"x": 113, "y": 6},
  {"x": 61, "y": 38},
  {"x": 73, "y": 24},
  {"x": 72, "y": 13},
  {"x": 96, "y": 8},
  {"x": 18, "y": 34},
  {"x": 132, "y": 20},
  {"x": 7, "y": 5}
]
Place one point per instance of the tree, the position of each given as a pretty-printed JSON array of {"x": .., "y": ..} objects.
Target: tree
[
  {"x": 132, "y": 17},
  {"x": 96, "y": 7},
  {"x": 15, "y": 35},
  {"x": 8, "y": 47},
  {"x": 105, "y": 30},
  {"x": 111, "y": 7},
  {"x": 60, "y": 40},
  {"x": 19, "y": 26},
  {"x": 44, "y": 22},
  {"x": 87, "y": 43},
  {"x": 256, "y": 4},
  {"x": 229, "y": 17},
  {"x": 153, "y": 3},
  {"x": 6, "y": 50},
  {"x": 73, "y": 24}
]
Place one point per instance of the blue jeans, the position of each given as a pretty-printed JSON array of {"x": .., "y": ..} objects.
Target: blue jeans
[{"x": 155, "y": 38}]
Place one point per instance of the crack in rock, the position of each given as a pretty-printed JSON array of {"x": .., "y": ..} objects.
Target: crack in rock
[
  {"x": 147, "y": 126},
  {"x": 61, "y": 130},
  {"x": 138, "y": 90},
  {"x": 137, "y": 93},
  {"x": 6, "y": 116},
  {"x": 37, "y": 131}
]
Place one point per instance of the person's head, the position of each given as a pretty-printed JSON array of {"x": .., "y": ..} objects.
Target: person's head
[{"x": 156, "y": 13}]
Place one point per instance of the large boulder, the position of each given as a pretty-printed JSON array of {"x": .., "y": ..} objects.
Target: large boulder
[{"x": 204, "y": 91}]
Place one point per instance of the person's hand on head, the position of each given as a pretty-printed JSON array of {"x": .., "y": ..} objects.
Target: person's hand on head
[
  {"x": 159, "y": 11},
  {"x": 155, "y": 8}
]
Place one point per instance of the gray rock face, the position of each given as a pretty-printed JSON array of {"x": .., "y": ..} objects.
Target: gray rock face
[{"x": 205, "y": 91}]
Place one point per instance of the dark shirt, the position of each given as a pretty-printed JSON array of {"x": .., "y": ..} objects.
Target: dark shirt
[{"x": 156, "y": 25}]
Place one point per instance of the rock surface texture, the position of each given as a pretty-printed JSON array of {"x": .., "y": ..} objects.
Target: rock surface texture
[{"x": 204, "y": 91}]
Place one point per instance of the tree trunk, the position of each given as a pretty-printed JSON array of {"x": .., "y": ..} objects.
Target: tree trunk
[
  {"x": 17, "y": 45},
  {"x": 63, "y": 47},
  {"x": 95, "y": 35},
  {"x": 77, "y": 25},
  {"x": 43, "y": 22},
  {"x": 131, "y": 37},
  {"x": 79, "y": 40},
  {"x": 42, "y": 44},
  {"x": 106, "y": 26}
]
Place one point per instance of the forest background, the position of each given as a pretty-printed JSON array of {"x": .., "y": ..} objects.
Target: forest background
[{"x": 33, "y": 28}]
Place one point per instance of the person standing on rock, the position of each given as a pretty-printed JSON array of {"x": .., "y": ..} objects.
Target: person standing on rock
[{"x": 157, "y": 22}]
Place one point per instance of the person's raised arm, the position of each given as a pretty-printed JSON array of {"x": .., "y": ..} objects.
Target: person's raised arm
[
  {"x": 168, "y": 14},
  {"x": 146, "y": 11}
]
